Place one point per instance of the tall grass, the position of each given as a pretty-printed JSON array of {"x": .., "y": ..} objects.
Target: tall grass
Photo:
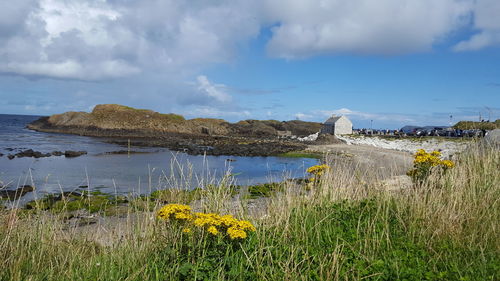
[{"x": 346, "y": 228}]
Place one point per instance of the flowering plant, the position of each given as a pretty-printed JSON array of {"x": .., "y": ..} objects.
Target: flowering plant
[
  {"x": 215, "y": 224},
  {"x": 317, "y": 171},
  {"x": 425, "y": 162}
]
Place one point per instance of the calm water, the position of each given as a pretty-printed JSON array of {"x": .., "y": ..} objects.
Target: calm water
[{"x": 123, "y": 174}]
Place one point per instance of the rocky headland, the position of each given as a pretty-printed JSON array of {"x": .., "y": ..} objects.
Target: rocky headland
[{"x": 142, "y": 127}]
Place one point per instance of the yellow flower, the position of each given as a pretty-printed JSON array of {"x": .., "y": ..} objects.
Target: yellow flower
[
  {"x": 213, "y": 223},
  {"x": 167, "y": 211},
  {"x": 448, "y": 163},
  {"x": 246, "y": 225},
  {"x": 213, "y": 230},
  {"x": 317, "y": 170},
  {"x": 183, "y": 216},
  {"x": 235, "y": 232},
  {"x": 436, "y": 153}
]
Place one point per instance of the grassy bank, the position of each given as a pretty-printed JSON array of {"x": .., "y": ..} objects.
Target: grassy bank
[
  {"x": 342, "y": 229},
  {"x": 302, "y": 154}
]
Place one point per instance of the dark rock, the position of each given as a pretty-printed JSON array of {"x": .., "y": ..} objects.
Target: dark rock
[
  {"x": 9, "y": 149},
  {"x": 1, "y": 154},
  {"x": 32, "y": 153},
  {"x": 50, "y": 199},
  {"x": 327, "y": 139},
  {"x": 10, "y": 156},
  {"x": 70, "y": 193},
  {"x": 71, "y": 153},
  {"x": 126, "y": 152},
  {"x": 57, "y": 153},
  {"x": 16, "y": 194},
  {"x": 205, "y": 130}
]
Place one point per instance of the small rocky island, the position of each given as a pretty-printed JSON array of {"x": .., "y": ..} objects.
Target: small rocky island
[{"x": 141, "y": 127}]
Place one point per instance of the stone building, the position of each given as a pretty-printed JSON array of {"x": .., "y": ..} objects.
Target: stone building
[{"x": 337, "y": 125}]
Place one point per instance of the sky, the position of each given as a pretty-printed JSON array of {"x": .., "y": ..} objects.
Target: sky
[{"x": 384, "y": 63}]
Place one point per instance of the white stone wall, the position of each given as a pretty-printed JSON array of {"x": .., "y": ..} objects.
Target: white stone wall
[{"x": 343, "y": 126}]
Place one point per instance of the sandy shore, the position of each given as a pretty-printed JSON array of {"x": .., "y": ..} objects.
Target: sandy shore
[{"x": 379, "y": 162}]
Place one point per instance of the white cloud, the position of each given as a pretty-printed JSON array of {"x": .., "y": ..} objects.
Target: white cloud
[
  {"x": 311, "y": 27},
  {"x": 212, "y": 112},
  {"x": 302, "y": 116},
  {"x": 158, "y": 44},
  {"x": 487, "y": 21},
  {"x": 99, "y": 39},
  {"x": 212, "y": 90},
  {"x": 363, "y": 115},
  {"x": 90, "y": 18},
  {"x": 72, "y": 69},
  {"x": 103, "y": 39}
]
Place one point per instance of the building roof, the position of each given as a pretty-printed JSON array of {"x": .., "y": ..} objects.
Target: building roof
[{"x": 334, "y": 119}]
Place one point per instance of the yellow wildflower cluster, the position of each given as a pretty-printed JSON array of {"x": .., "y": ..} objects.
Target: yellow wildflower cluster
[
  {"x": 424, "y": 163},
  {"x": 177, "y": 211},
  {"x": 318, "y": 170},
  {"x": 448, "y": 163},
  {"x": 433, "y": 159},
  {"x": 212, "y": 223}
]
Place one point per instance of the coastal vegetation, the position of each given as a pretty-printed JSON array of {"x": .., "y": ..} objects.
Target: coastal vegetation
[
  {"x": 124, "y": 121},
  {"x": 198, "y": 136},
  {"x": 445, "y": 227},
  {"x": 469, "y": 125},
  {"x": 302, "y": 154}
]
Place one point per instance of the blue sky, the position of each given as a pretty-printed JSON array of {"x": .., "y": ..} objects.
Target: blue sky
[{"x": 395, "y": 62}]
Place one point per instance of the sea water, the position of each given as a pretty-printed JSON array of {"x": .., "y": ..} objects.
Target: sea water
[{"x": 139, "y": 173}]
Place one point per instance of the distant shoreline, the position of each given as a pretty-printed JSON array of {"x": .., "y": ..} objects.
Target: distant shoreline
[{"x": 137, "y": 127}]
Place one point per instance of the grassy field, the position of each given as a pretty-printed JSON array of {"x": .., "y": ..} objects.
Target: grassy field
[{"x": 446, "y": 228}]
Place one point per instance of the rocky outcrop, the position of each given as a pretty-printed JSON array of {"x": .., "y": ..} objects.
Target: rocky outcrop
[
  {"x": 195, "y": 136},
  {"x": 71, "y": 153},
  {"x": 38, "y": 154},
  {"x": 111, "y": 120}
]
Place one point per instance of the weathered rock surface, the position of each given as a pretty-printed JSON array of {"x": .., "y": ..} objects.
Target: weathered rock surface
[
  {"x": 38, "y": 154},
  {"x": 195, "y": 136},
  {"x": 17, "y": 193},
  {"x": 32, "y": 153},
  {"x": 327, "y": 139},
  {"x": 71, "y": 153},
  {"x": 117, "y": 120}
]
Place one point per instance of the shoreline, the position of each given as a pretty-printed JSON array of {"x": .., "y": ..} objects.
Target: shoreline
[{"x": 193, "y": 144}]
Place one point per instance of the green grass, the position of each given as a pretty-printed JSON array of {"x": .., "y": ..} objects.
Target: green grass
[
  {"x": 93, "y": 202},
  {"x": 467, "y": 125},
  {"x": 264, "y": 190},
  {"x": 443, "y": 229},
  {"x": 301, "y": 154}
]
